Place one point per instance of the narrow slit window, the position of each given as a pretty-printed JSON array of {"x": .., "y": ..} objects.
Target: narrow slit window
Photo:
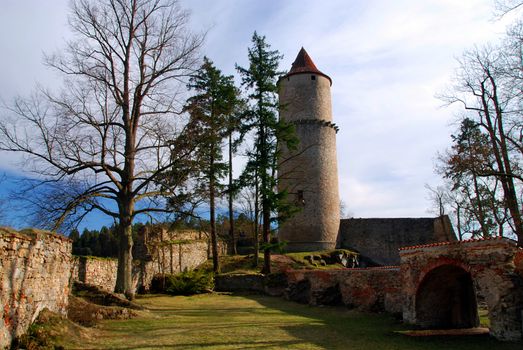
[{"x": 299, "y": 198}]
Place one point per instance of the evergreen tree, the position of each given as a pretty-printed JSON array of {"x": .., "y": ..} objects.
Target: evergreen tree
[
  {"x": 479, "y": 196},
  {"x": 210, "y": 109},
  {"x": 270, "y": 133}
]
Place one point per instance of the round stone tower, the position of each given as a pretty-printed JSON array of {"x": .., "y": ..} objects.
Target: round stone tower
[{"x": 310, "y": 173}]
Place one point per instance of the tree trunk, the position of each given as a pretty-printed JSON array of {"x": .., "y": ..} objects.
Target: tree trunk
[
  {"x": 266, "y": 238},
  {"x": 231, "y": 212},
  {"x": 499, "y": 148},
  {"x": 256, "y": 222},
  {"x": 124, "y": 278},
  {"x": 266, "y": 209},
  {"x": 458, "y": 214},
  {"x": 214, "y": 238},
  {"x": 479, "y": 209}
]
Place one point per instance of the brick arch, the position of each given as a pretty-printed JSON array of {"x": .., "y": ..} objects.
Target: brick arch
[
  {"x": 485, "y": 268},
  {"x": 442, "y": 261},
  {"x": 445, "y": 298}
]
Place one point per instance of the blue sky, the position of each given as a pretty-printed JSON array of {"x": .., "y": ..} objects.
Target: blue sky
[{"x": 387, "y": 60}]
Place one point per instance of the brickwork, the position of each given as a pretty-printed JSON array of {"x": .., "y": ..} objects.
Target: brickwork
[
  {"x": 35, "y": 270},
  {"x": 490, "y": 265}
]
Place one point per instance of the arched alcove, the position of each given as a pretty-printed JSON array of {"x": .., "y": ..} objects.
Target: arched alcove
[{"x": 446, "y": 299}]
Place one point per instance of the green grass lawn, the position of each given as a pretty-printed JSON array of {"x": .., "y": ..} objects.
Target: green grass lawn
[{"x": 217, "y": 321}]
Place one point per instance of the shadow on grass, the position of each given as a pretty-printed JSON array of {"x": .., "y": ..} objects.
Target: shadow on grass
[
  {"x": 213, "y": 345},
  {"x": 340, "y": 328},
  {"x": 262, "y": 322}
]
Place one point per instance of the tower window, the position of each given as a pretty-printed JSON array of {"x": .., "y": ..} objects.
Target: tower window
[
  {"x": 313, "y": 77},
  {"x": 300, "y": 198}
]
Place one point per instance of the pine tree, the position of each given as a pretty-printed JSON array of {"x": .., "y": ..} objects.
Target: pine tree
[
  {"x": 215, "y": 100},
  {"x": 260, "y": 81}
]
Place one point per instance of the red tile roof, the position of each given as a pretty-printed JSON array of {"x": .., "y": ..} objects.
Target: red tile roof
[
  {"x": 437, "y": 244},
  {"x": 388, "y": 267},
  {"x": 304, "y": 64}
]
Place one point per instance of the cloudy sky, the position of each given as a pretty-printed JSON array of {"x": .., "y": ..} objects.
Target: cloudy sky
[{"x": 387, "y": 60}]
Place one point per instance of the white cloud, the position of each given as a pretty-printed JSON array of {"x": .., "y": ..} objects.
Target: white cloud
[{"x": 387, "y": 60}]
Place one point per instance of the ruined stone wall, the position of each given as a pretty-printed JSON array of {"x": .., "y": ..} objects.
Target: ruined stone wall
[
  {"x": 35, "y": 270},
  {"x": 491, "y": 263},
  {"x": 162, "y": 252},
  {"x": 370, "y": 289},
  {"x": 175, "y": 257},
  {"x": 518, "y": 261},
  {"x": 94, "y": 270},
  {"x": 379, "y": 240}
]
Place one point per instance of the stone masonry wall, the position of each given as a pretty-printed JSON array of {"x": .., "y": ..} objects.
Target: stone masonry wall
[
  {"x": 518, "y": 262},
  {"x": 380, "y": 239},
  {"x": 170, "y": 258},
  {"x": 35, "y": 270},
  {"x": 161, "y": 253},
  {"x": 494, "y": 266},
  {"x": 310, "y": 173},
  {"x": 370, "y": 289},
  {"x": 98, "y": 271}
]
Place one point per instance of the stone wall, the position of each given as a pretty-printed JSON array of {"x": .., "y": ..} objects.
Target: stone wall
[
  {"x": 178, "y": 255},
  {"x": 157, "y": 252},
  {"x": 518, "y": 261},
  {"x": 370, "y": 289},
  {"x": 443, "y": 278},
  {"x": 379, "y": 240},
  {"x": 35, "y": 270},
  {"x": 239, "y": 283},
  {"x": 94, "y": 270}
]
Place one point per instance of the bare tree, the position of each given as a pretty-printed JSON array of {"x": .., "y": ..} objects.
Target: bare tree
[
  {"x": 345, "y": 213},
  {"x": 502, "y": 7},
  {"x": 113, "y": 132},
  {"x": 438, "y": 198},
  {"x": 249, "y": 205},
  {"x": 489, "y": 148}
]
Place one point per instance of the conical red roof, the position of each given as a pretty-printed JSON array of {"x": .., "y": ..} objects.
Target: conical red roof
[{"x": 304, "y": 64}]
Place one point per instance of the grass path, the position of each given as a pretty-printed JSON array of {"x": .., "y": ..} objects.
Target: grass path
[{"x": 259, "y": 322}]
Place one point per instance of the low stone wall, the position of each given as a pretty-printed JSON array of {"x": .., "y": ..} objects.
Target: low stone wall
[
  {"x": 239, "y": 283},
  {"x": 369, "y": 289},
  {"x": 35, "y": 270}
]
